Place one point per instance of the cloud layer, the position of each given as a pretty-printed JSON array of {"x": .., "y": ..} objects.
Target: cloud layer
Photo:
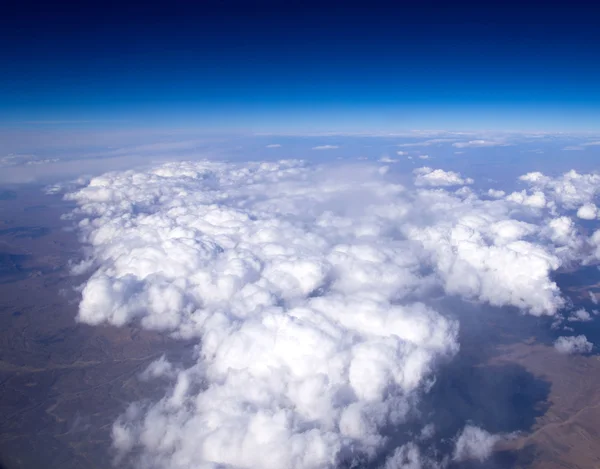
[{"x": 307, "y": 288}]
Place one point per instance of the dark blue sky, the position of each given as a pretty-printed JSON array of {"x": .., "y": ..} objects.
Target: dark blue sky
[{"x": 273, "y": 66}]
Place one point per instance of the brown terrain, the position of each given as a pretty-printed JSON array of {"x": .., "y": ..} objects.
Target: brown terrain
[
  {"x": 567, "y": 435},
  {"x": 62, "y": 384}
]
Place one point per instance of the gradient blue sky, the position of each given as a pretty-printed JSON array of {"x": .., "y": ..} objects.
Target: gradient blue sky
[{"x": 275, "y": 67}]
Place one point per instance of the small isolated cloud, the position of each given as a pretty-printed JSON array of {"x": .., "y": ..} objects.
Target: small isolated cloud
[
  {"x": 573, "y": 344},
  {"x": 474, "y": 443},
  {"x": 274, "y": 145},
  {"x": 427, "y": 176},
  {"x": 424, "y": 157},
  {"x": 588, "y": 211},
  {"x": 325, "y": 147},
  {"x": 401, "y": 153},
  {"x": 480, "y": 143},
  {"x": 387, "y": 159},
  {"x": 581, "y": 315}
]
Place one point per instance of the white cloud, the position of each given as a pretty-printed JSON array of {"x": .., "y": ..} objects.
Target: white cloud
[
  {"x": 581, "y": 315},
  {"x": 401, "y": 153},
  {"x": 438, "y": 177},
  {"x": 305, "y": 287},
  {"x": 474, "y": 443},
  {"x": 480, "y": 143},
  {"x": 274, "y": 145},
  {"x": 535, "y": 200},
  {"x": 573, "y": 344},
  {"x": 588, "y": 211},
  {"x": 496, "y": 194},
  {"x": 325, "y": 147},
  {"x": 406, "y": 456},
  {"x": 424, "y": 157},
  {"x": 387, "y": 159},
  {"x": 305, "y": 346},
  {"x": 571, "y": 190}
]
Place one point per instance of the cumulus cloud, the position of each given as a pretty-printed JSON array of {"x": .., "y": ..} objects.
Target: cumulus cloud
[
  {"x": 401, "y": 153},
  {"x": 588, "y": 211},
  {"x": 474, "y": 443},
  {"x": 496, "y": 194},
  {"x": 306, "y": 288},
  {"x": 573, "y": 344},
  {"x": 274, "y": 145},
  {"x": 534, "y": 200},
  {"x": 438, "y": 177},
  {"x": 325, "y": 147},
  {"x": 424, "y": 157},
  {"x": 570, "y": 191},
  {"x": 305, "y": 344}
]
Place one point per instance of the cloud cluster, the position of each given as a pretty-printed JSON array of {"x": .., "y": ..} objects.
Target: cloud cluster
[
  {"x": 573, "y": 344},
  {"x": 571, "y": 191},
  {"x": 307, "y": 288}
]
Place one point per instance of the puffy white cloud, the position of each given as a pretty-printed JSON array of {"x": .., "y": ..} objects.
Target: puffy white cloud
[
  {"x": 573, "y": 344},
  {"x": 588, "y": 211},
  {"x": 295, "y": 291},
  {"x": 474, "y": 443},
  {"x": 535, "y": 200},
  {"x": 571, "y": 190},
  {"x": 325, "y": 147},
  {"x": 401, "y": 153},
  {"x": 496, "y": 194},
  {"x": 438, "y": 177},
  {"x": 274, "y": 145},
  {"x": 424, "y": 157},
  {"x": 479, "y": 253},
  {"x": 306, "y": 288}
]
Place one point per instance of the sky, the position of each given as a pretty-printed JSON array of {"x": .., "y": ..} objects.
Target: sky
[{"x": 298, "y": 67}]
